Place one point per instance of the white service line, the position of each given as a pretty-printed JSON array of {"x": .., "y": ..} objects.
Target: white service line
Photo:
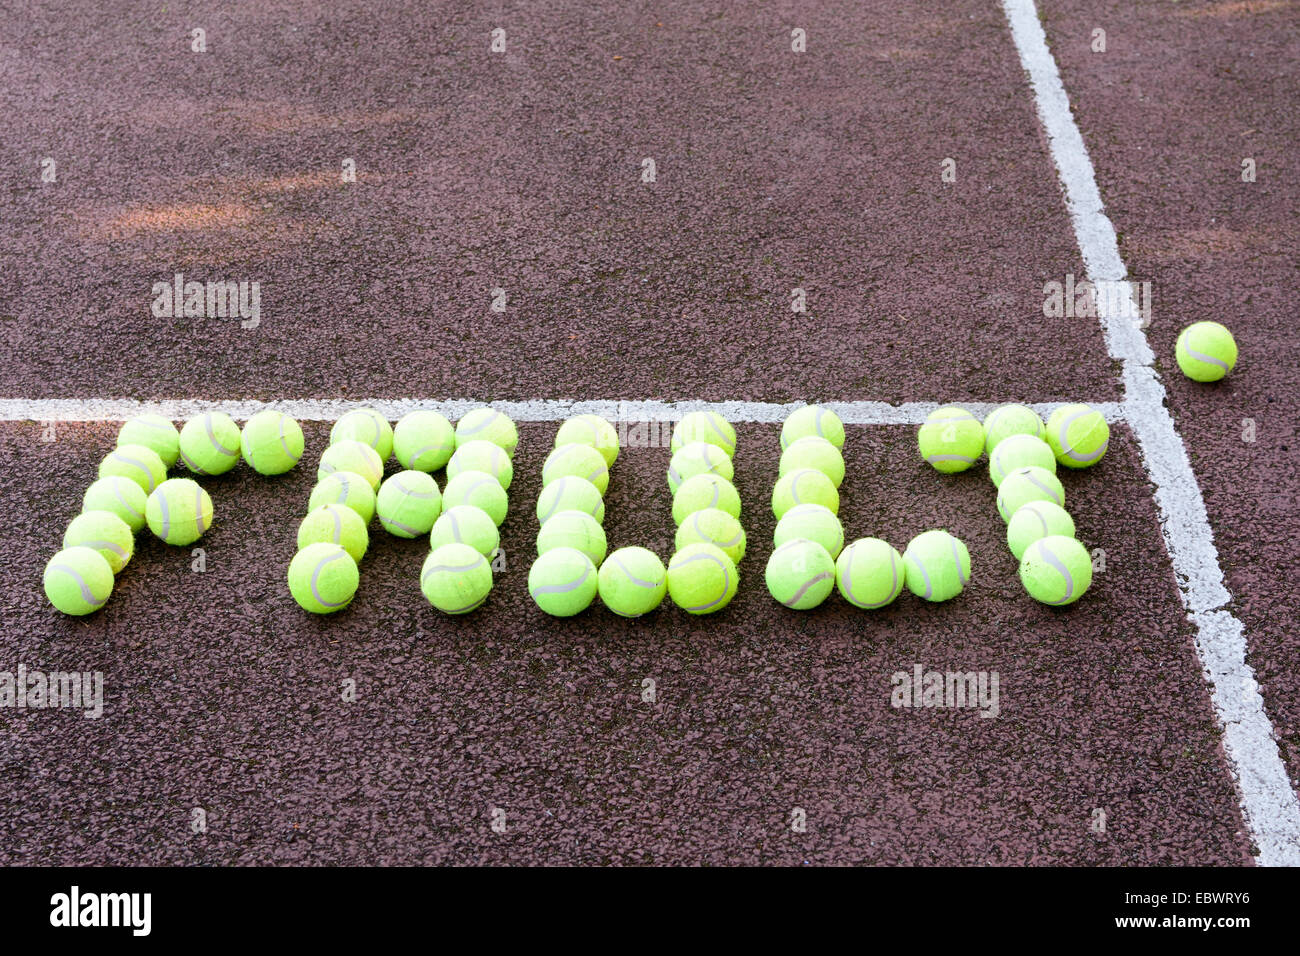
[{"x": 1268, "y": 802}]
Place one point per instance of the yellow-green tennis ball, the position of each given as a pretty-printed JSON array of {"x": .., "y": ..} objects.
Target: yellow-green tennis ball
[
  {"x": 271, "y": 442},
  {"x": 354, "y": 456},
  {"x": 423, "y": 441},
  {"x": 366, "y": 426},
  {"x": 482, "y": 455},
  {"x": 122, "y": 496},
  {"x": 344, "y": 488},
  {"x": 713, "y": 526},
  {"x": 489, "y": 424},
  {"x": 335, "y": 524},
  {"x": 209, "y": 444},
  {"x": 1025, "y": 485},
  {"x": 323, "y": 578},
  {"x": 78, "y": 580},
  {"x": 455, "y": 578},
  {"x": 816, "y": 453},
  {"x": 704, "y": 426},
  {"x": 1037, "y": 519},
  {"x": 1019, "y": 451},
  {"x": 179, "y": 511},
  {"x": 574, "y": 529},
  {"x": 815, "y": 421},
  {"x": 590, "y": 430},
  {"x": 813, "y": 522},
  {"x": 1206, "y": 351},
  {"x": 580, "y": 461},
  {"x": 1007, "y": 420},
  {"x": 479, "y": 489},
  {"x": 698, "y": 458},
  {"x": 1078, "y": 435},
  {"x": 106, "y": 533},
  {"x": 408, "y": 504},
  {"x": 705, "y": 491},
  {"x": 465, "y": 524},
  {"x": 139, "y": 464},
  {"x": 800, "y": 574},
  {"x": 702, "y": 579},
  {"x": 1056, "y": 570},
  {"x": 936, "y": 566},
  {"x": 807, "y": 486},
  {"x": 632, "y": 582},
  {"x": 869, "y": 573},
  {"x": 563, "y": 582},
  {"x": 152, "y": 431},
  {"x": 951, "y": 439},
  {"x": 570, "y": 493}
]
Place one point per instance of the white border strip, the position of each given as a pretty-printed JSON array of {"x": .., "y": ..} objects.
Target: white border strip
[{"x": 1268, "y": 802}]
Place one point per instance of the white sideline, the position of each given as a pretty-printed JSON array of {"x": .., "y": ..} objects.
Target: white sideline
[{"x": 1268, "y": 802}]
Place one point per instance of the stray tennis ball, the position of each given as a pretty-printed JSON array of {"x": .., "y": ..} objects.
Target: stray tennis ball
[
  {"x": 423, "y": 441},
  {"x": 335, "y": 524},
  {"x": 455, "y": 578},
  {"x": 869, "y": 573},
  {"x": 209, "y": 444},
  {"x": 704, "y": 426},
  {"x": 271, "y": 442},
  {"x": 323, "y": 578},
  {"x": 578, "y": 461},
  {"x": 466, "y": 524},
  {"x": 1019, "y": 451},
  {"x": 713, "y": 526},
  {"x": 106, "y": 533},
  {"x": 368, "y": 427},
  {"x": 800, "y": 574},
  {"x": 1206, "y": 351},
  {"x": 179, "y": 511},
  {"x": 78, "y": 580},
  {"x": 574, "y": 529},
  {"x": 815, "y": 453},
  {"x": 813, "y": 522},
  {"x": 1007, "y": 420},
  {"x": 482, "y": 455},
  {"x": 408, "y": 504},
  {"x": 1025, "y": 485},
  {"x": 489, "y": 424},
  {"x": 632, "y": 582},
  {"x": 122, "y": 496},
  {"x": 139, "y": 464},
  {"x": 807, "y": 486},
  {"x": 344, "y": 488},
  {"x": 354, "y": 456},
  {"x": 154, "y": 432},
  {"x": 590, "y": 430},
  {"x": 951, "y": 439},
  {"x": 1078, "y": 435},
  {"x": 1037, "y": 519},
  {"x": 812, "y": 420},
  {"x": 563, "y": 582},
  {"x": 1056, "y": 570},
  {"x": 479, "y": 489},
  {"x": 570, "y": 494},
  {"x": 702, "y": 579},
  {"x": 698, "y": 458},
  {"x": 705, "y": 491},
  {"x": 936, "y": 566}
]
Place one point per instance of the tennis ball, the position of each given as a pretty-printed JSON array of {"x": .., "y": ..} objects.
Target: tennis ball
[
  {"x": 1025, "y": 485},
  {"x": 579, "y": 461},
  {"x": 807, "y": 486},
  {"x": 702, "y": 579},
  {"x": 408, "y": 504},
  {"x": 344, "y": 488},
  {"x": 632, "y": 582},
  {"x": 482, "y": 455},
  {"x": 179, "y": 511},
  {"x": 574, "y": 529},
  {"x": 489, "y": 424},
  {"x": 1037, "y": 519},
  {"x": 335, "y": 524},
  {"x": 590, "y": 430},
  {"x": 869, "y": 573},
  {"x": 1007, "y": 420},
  {"x": 800, "y": 574},
  {"x": 951, "y": 439},
  {"x": 1078, "y": 435},
  {"x": 1206, "y": 351},
  {"x": 570, "y": 493},
  {"x": 704, "y": 426},
  {"x": 465, "y": 524},
  {"x": 455, "y": 578},
  {"x": 1056, "y": 570},
  {"x": 323, "y": 578},
  {"x": 698, "y": 458},
  {"x": 78, "y": 580},
  {"x": 936, "y": 566},
  {"x": 479, "y": 489},
  {"x": 209, "y": 444},
  {"x": 812, "y": 421},
  {"x": 271, "y": 442},
  {"x": 354, "y": 456},
  {"x": 366, "y": 426},
  {"x": 1019, "y": 451},
  {"x": 713, "y": 526},
  {"x": 106, "y": 533},
  {"x": 139, "y": 464},
  {"x": 423, "y": 441},
  {"x": 152, "y": 431},
  {"x": 563, "y": 582},
  {"x": 705, "y": 491},
  {"x": 814, "y": 523},
  {"x": 122, "y": 496},
  {"x": 816, "y": 453}
]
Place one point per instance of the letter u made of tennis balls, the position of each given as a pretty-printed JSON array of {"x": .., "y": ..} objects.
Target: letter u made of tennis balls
[
  {"x": 632, "y": 582},
  {"x": 800, "y": 574},
  {"x": 490, "y": 424},
  {"x": 179, "y": 511},
  {"x": 455, "y": 578},
  {"x": 702, "y": 579},
  {"x": 707, "y": 427},
  {"x": 590, "y": 430},
  {"x": 423, "y": 441},
  {"x": 563, "y": 582},
  {"x": 1078, "y": 435},
  {"x": 323, "y": 578},
  {"x": 78, "y": 581},
  {"x": 951, "y": 439},
  {"x": 209, "y": 444},
  {"x": 367, "y": 426},
  {"x": 154, "y": 432},
  {"x": 936, "y": 566},
  {"x": 106, "y": 533},
  {"x": 815, "y": 421},
  {"x": 1205, "y": 351},
  {"x": 408, "y": 504},
  {"x": 1019, "y": 451},
  {"x": 271, "y": 442},
  {"x": 869, "y": 573},
  {"x": 1056, "y": 570},
  {"x": 574, "y": 529}
]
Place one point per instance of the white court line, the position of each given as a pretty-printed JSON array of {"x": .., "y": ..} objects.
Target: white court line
[{"x": 1268, "y": 802}]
